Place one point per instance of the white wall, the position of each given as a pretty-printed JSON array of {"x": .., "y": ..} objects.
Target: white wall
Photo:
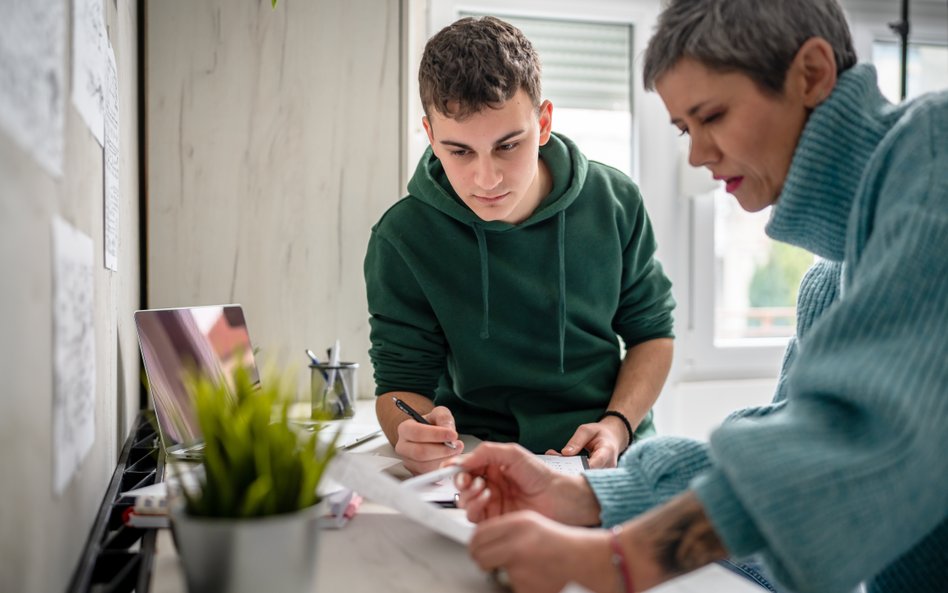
[
  {"x": 42, "y": 535},
  {"x": 273, "y": 147}
]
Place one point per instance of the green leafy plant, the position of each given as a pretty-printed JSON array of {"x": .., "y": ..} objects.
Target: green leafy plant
[{"x": 256, "y": 464}]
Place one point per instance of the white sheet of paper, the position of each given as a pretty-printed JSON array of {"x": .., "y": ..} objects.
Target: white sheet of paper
[
  {"x": 73, "y": 351},
  {"x": 711, "y": 578},
  {"x": 32, "y": 78},
  {"x": 111, "y": 163},
  {"x": 444, "y": 490},
  {"x": 89, "y": 45},
  {"x": 355, "y": 472}
]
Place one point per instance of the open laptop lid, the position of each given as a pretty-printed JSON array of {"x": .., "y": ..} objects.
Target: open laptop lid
[{"x": 211, "y": 340}]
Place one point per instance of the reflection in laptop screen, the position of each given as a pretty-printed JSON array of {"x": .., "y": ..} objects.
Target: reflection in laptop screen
[{"x": 211, "y": 341}]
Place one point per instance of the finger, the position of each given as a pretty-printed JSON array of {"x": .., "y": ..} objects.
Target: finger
[
  {"x": 496, "y": 541},
  {"x": 416, "y": 432},
  {"x": 601, "y": 458},
  {"x": 441, "y": 416},
  {"x": 434, "y": 454},
  {"x": 579, "y": 440},
  {"x": 496, "y": 455},
  {"x": 476, "y": 508},
  {"x": 552, "y": 452}
]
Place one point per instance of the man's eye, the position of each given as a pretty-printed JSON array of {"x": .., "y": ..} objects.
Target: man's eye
[
  {"x": 508, "y": 147},
  {"x": 459, "y": 153}
]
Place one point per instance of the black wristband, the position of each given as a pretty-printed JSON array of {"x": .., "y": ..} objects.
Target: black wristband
[{"x": 628, "y": 425}]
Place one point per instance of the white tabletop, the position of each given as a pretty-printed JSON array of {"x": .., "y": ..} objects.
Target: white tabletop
[{"x": 381, "y": 551}]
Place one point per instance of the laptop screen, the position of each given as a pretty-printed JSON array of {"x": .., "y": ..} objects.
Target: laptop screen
[{"x": 210, "y": 340}]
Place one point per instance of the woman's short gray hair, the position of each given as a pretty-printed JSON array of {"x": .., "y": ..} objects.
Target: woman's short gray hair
[{"x": 758, "y": 38}]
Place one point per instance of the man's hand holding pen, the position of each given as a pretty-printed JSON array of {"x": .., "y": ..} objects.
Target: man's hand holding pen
[{"x": 426, "y": 441}]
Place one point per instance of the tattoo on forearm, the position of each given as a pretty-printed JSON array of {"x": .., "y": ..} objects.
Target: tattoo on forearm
[{"x": 684, "y": 539}]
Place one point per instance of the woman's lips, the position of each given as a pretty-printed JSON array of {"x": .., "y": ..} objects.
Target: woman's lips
[{"x": 732, "y": 184}]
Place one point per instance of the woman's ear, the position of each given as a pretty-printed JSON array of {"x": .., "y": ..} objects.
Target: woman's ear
[{"x": 814, "y": 71}]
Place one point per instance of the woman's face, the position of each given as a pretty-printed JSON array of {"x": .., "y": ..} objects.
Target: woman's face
[{"x": 744, "y": 136}]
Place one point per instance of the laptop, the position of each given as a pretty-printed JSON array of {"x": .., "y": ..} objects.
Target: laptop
[{"x": 211, "y": 340}]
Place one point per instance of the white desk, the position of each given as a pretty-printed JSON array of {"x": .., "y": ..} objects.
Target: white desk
[{"x": 381, "y": 551}]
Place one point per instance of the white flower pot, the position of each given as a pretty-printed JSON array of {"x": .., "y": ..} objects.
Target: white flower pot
[{"x": 274, "y": 554}]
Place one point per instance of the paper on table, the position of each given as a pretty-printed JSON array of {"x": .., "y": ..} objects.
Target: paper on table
[
  {"x": 709, "y": 578},
  {"x": 444, "y": 491},
  {"x": 363, "y": 477}
]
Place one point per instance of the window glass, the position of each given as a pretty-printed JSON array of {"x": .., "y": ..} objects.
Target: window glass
[
  {"x": 927, "y": 68},
  {"x": 587, "y": 76},
  {"x": 756, "y": 278}
]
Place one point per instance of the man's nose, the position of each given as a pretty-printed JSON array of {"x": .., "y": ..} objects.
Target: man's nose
[{"x": 486, "y": 174}]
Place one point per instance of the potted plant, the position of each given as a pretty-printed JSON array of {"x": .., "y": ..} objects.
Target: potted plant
[{"x": 250, "y": 522}]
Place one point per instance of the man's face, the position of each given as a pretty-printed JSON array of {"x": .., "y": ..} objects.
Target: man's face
[
  {"x": 742, "y": 135},
  {"x": 491, "y": 158}
]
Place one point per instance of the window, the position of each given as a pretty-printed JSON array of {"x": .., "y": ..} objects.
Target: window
[
  {"x": 756, "y": 279},
  {"x": 927, "y": 68},
  {"x": 587, "y": 70}
]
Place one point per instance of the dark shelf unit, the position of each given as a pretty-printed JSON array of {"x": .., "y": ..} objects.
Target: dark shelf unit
[{"x": 118, "y": 558}]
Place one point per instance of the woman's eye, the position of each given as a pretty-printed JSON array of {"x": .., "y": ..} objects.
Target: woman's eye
[
  {"x": 682, "y": 131},
  {"x": 712, "y": 118}
]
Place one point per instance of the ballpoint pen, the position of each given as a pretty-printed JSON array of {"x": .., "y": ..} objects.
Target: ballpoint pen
[
  {"x": 404, "y": 407},
  {"x": 312, "y": 356}
]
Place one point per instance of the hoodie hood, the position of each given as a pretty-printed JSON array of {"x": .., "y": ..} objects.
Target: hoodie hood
[{"x": 568, "y": 168}]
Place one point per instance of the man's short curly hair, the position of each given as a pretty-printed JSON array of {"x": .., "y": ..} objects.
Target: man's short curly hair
[{"x": 476, "y": 63}]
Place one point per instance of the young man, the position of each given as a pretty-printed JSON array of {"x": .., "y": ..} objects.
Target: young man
[{"x": 498, "y": 288}]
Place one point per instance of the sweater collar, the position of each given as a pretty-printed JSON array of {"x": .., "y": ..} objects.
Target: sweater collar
[{"x": 837, "y": 142}]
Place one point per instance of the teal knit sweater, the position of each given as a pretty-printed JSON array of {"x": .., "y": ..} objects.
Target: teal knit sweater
[{"x": 845, "y": 477}]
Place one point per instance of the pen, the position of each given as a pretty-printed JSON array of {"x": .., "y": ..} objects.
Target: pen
[
  {"x": 432, "y": 476},
  {"x": 404, "y": 407},
  {"x": 361, "y": 440}
]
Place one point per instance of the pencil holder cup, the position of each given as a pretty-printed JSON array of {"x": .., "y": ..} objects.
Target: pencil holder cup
[{"x": 333, "y": 389}]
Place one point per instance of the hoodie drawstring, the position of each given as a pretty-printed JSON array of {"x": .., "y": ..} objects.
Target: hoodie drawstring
[
  {"x": 485, "y": 281},
  {"x": 561, "y": 301},
  {"x": 561, "y": 252}
]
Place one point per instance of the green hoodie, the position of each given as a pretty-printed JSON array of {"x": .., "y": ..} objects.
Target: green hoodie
[{"x": 514, "y": 327}]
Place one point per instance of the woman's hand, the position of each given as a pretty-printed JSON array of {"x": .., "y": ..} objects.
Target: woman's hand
[
  {"x": 541, "y": 556},
  {"x": 503, "y": 478}
]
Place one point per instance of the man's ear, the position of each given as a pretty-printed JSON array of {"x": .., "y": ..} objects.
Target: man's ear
[
  {"x": 545, "y": 112},
  {"x": 814, "y": 71},
  {"x": 427, "y": 125}
]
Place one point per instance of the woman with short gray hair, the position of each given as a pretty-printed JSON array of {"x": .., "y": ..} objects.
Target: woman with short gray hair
[{"x": 843, "y": 479}]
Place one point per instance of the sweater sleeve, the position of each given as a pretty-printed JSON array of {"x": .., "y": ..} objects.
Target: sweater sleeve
[
  {"x": 852, "y": 472},
  {"x": 651, "y": 472},
  {"x": 408, "y": 348},
  {"x": 646, "y": 302}
]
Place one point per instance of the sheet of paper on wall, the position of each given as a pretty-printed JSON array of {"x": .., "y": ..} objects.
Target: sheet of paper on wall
[
  {"x": 89, "y": 45},
  {"x": 356, "y": 472},
  {"x": 32, "y": 78},
  {"x": 111, "y": 163},
  {"x": 73, "y": 350}
]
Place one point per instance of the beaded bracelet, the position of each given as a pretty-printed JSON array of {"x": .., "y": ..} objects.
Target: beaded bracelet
[
  {"x": 628, "y": 426},
  {"x": 619, "y": 561}
]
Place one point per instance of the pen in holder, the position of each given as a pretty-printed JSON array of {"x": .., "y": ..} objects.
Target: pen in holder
[{"x": 333, "y": 389}]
